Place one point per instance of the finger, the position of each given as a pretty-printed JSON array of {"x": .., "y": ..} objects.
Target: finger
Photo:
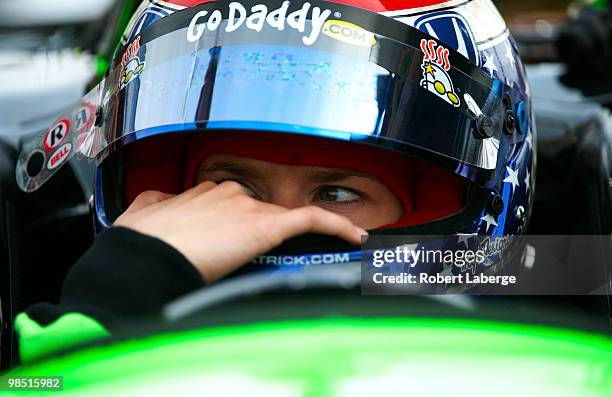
[
  {"x": 268, "y": 208},
  {"x": 195, "y": 191},
  {"x": 230, "y": 188},
  {"x": 223, "y": 191},
  {"x": 147, "y": 199},
  {"x": 317, "y": 220}
]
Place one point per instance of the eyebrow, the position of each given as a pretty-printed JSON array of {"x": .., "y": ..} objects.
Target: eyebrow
[
  {"x": 234, "y": 167},
  {"x": 337, "y": 175}
]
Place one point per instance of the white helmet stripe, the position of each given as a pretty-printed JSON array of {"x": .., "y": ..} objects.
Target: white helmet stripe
[
  {"x": 166, "y": 4},
  {"x": 421, "y": 10}
]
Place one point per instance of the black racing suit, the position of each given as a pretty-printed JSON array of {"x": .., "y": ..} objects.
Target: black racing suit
[{"x": 123, "y": 276}]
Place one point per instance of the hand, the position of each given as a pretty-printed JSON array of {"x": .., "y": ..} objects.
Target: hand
[{"x": 219, "y": 228}]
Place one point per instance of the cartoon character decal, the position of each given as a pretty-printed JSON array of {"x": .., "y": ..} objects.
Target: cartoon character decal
[
  {"x": 131, "y": 65},
  {"x": 130, "y": 71},
  {"x": 435, "y": 72}
]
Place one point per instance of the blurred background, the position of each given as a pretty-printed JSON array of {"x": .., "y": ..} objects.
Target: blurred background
[
  {"x": 536, "y": 24},
  {"x": 49, "y": 52}
]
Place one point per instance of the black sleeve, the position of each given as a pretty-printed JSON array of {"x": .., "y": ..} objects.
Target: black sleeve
[{"x": 124, "y": 275}]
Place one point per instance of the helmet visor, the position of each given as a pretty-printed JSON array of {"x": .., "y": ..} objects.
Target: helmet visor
[{"x": 311, "y": 68}]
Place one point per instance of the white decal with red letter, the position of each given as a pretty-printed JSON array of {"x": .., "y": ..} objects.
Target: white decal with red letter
[{"x": 56, "y": 134}]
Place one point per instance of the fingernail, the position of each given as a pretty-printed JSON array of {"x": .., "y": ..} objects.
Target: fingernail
[{"x": 360, "y": 231}]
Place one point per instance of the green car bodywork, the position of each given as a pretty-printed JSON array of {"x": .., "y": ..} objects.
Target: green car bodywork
[{"x": 342, "y": 357}]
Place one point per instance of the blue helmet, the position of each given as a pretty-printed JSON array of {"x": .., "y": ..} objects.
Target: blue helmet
[{"x": 440, "y": 83}]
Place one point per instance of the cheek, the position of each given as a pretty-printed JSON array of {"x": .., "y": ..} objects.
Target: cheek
[{"x": 380, "y": 211}]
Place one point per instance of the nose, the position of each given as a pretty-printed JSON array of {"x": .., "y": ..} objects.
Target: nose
[{"x": 289, "y": 194}]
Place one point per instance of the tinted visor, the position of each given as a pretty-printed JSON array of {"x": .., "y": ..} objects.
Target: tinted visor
[{"x": 315, "y": 68}]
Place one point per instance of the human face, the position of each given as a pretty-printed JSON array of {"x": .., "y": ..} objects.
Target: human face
[{"x": 363, "y": 199}]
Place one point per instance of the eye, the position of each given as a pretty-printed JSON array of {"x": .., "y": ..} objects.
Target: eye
[
  {"x": 336, "y": 194},
  {"x": 248, "y": 189}
]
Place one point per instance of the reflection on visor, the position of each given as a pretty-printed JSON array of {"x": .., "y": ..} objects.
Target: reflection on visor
[{"x": 297, "y": 68}]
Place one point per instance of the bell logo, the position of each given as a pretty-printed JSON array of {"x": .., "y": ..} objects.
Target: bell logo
[
  {"x": 60, "y": 156},
  {"x": 348, "y": 33}
]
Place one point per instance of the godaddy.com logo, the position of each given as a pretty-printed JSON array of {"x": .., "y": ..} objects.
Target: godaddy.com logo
[{"x": 258, "y": 17}]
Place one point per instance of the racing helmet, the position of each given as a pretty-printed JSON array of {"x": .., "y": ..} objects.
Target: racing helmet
[{"x": 429, "y": 96}]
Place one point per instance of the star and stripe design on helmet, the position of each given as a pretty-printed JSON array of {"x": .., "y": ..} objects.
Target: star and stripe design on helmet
[
  {"x": 513, "y": 179},
  {"x": 514, "y": 184}
]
